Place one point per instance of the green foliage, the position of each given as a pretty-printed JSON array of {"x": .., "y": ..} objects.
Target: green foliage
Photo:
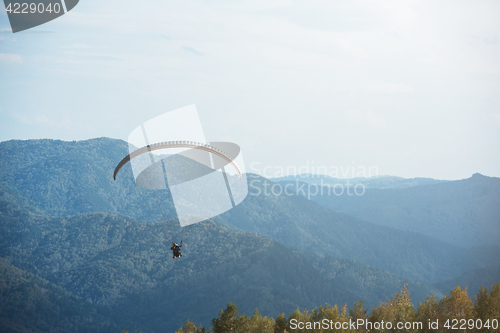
[
  {"x": 230, "y": 321},
  {"x": 31, "y": 304},
  {"x": 190, "y": 327},
  {"x": 428, "y": 311},
  {"x": 456, "y": 304},
  {"x": 126, "y": 265},
  {"x": 398, "y": 309},
  {"x": 487, "y": 305},
  {"x": 358, "y": 312},
  {"x": 69, "y": 178},
  {"x": 280, "y": 324},
  {"x": 58, "y": 221},
  {"x": 371, "y": 283}
]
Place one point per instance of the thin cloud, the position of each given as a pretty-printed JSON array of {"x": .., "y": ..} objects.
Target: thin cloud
[
  {"x": 57, "y": 121},
  {"x": 495, "y": 117},
  {"x": 76, "y": 46},
  {"x": 11, "y": 57},
  {"x": 388, "y": 88},
  {"x": 190, "y": 49},
  {"x": 366, "y": 118}
]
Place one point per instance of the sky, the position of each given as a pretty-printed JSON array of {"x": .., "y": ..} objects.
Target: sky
[{"x": 358, "y": 88}]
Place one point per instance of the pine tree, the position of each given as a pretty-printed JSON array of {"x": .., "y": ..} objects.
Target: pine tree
[
  {"x": 428, "y": 312},
  {"x": 487, "y": 307},
  {"x": 280, "y": 324},
  {"x": 399, "y": 309},
  {"x": 189, "y": 327},
  {"x": 226, "y": 322},
  {"x": 455, "y": 306},
  {"x": 358, "y": 312},
  {"x": 259, "y": 324}
]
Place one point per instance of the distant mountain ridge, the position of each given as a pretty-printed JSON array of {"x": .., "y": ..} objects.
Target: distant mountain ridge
[
  {"x": 298, "y": 223},
  {"x": 473, "y": 280},
  {"x": 463, "y": 212},
  {"x": 380, "y": 182}
]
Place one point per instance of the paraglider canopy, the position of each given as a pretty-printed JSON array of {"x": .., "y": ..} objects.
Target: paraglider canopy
[
  {"x": 205, "y": 179},
  {"x": 179, "y": 144}
]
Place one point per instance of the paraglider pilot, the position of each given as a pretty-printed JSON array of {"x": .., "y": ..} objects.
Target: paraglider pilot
[{"x": 176, "y": 249}]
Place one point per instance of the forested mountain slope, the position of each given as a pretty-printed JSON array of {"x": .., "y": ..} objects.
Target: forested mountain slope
[
  {"x": 63, "y": 218},
  {"x": 31, "y": 304},
  {"x": 473, "y": 280},
  {"x": 299, "y": 223},
  {"x": 76, "y": 177},
  {"x": 463, "y": 212},
  {"x": 125, "y": 265}
]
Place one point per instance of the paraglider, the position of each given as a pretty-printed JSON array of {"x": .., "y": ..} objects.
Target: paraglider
[
  {"x": 196, "y": 178},
  {"x": 176, "y": 249}
]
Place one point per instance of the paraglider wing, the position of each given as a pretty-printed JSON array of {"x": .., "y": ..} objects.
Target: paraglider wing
[{"x": 175, "y": 144}]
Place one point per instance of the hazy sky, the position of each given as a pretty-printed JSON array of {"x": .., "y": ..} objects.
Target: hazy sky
[{"x": 408, "y": 88}]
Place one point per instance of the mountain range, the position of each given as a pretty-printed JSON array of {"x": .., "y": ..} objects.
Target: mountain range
[
  {"x": 66, "y": 222},
  {"x": 463, "y": 212}
]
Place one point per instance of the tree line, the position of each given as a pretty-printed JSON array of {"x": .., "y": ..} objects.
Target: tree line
[{"x": 456, "y": 312}]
